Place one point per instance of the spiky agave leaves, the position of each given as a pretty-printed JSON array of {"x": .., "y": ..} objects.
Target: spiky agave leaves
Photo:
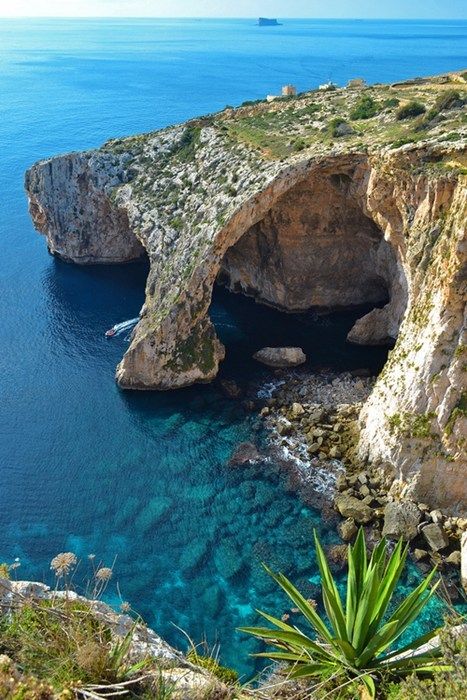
[{"x": 355, "y": 642}]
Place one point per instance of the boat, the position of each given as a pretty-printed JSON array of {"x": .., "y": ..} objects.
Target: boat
[
  {"x": 122, "y": 327},
  {"x": 266, "y": 22}
]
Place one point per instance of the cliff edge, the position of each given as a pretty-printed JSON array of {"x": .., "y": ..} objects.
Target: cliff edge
[{"x": 324, "y": 200}]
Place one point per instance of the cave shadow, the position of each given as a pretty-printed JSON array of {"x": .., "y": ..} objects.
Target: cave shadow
[{"x": 244, "y": 327}]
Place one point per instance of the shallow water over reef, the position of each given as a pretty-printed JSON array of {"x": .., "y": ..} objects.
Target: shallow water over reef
[{"x": 144, "y": 478}]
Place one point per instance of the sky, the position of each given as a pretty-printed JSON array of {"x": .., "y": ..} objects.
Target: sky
[{"x": 404, "y": 9}]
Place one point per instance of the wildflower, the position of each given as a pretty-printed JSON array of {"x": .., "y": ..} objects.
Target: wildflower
[
  {"x": 104, "y": 574},
  {"x": 91, "y": 556},
  {"x": 125, "y": 607},
  {"x": 63, "y": 563},
  {"x": 15, "y": 564}
]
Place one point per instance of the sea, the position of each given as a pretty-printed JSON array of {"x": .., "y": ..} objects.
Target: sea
[{"x": 143, "y": 482}]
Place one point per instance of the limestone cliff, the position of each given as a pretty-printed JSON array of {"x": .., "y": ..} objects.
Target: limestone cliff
[{"x": 272, "y": 201}]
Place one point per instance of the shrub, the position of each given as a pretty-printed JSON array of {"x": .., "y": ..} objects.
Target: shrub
[
  {"x": 223, "y": 673},
  {"x": 443, "y": 686},
  {"x": 365, "y": 108},
  {"x": 410, "y": 110},
  {"x": 299, "y": 145},
  {"x": 356, "y": 642},
  {"x": 391, "y": 102},
  {"x": 447, "y": 100},
  {"x": 334, "y": 124}
]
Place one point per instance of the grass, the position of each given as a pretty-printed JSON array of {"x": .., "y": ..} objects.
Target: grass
[{"x": 61, "y": 642}]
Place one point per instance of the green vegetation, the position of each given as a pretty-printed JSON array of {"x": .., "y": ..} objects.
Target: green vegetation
[
  {"x": 186, "y": 148},
  {"x": 60, "y": 641},
  {"x": 334, "y": 124},
  {"x": 211, "y": 664},
  {"x": 390, "y": 102},
  {"x": 459, "y": 410},
  {"x": 442, "y": 686},
  {"x": 416, "y": 425},
  {"x": 410, "y": 110},
  {"x": 365, "y": 108},
  {"x": 357, "y": 646}
]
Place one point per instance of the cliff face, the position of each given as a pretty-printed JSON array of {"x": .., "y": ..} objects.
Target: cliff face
[
  {"x": 69, "y": 201},
  {"x": 268, "y": 201}
]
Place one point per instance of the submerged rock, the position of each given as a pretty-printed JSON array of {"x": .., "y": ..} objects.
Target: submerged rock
[
  {"x": 228, "y": 559},
  {"x": 280, "y": 357},
  {"x": 245, "y": 452}
]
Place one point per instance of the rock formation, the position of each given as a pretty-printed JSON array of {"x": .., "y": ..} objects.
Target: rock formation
[{"x": 271, "y": 201}]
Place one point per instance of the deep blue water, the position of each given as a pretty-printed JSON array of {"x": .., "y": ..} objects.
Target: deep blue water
[{"x": 145, "y": 477}]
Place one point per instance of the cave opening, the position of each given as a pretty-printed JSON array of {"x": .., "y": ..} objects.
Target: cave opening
[{"x": 314, "y": 264}]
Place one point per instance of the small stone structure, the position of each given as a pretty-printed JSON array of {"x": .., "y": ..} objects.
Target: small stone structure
[
  {"x": 356, "y": 83},
  {"x": 289, "y": 90}
]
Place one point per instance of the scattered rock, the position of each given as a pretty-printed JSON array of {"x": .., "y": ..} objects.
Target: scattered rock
[
  {"x": 284, "y": 428},
  {"x": 337, "y": 554},
  {"x": 280, "y": 357},
  {"x": 351, "y": 507},
  {"x": 401, "y": 519},
  {"x": 436, "y": 516},
  {"x": 347, "y": 529},
  {"x": 419, "y": 554},
  {"x": 297, "y": 410},
  {"x": 435, "y": 537},
  {"x": 454, "y": 558}
]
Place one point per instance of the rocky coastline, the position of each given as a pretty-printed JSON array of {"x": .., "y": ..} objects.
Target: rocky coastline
[
  {"x": 312, "y": 422},
  {"x": 276, "y": 201}
]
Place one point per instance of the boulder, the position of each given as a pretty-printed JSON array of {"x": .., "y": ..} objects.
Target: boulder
[
  {"x": 401, "y": 519},
  {"x": 347, "y": 529},
  {"x": 337, "y": 554},
  {"x": 343, "y": 129},
  {"x": 351, "y": 507},
  {"x": 435, "y": 537},
  {"x": 297, "y": 410},
  {"x": 454, "y": 558},
  {"x": 280, "y": 357},
  {"x": 419, "y": 554}
]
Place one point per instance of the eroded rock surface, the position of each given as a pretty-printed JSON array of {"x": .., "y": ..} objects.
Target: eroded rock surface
[
  {"x": 230, "y": 198},
  {"x": 280, "y": 357}
]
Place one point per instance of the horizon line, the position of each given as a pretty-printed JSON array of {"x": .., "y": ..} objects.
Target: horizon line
[{"x": 200, "y": 17}]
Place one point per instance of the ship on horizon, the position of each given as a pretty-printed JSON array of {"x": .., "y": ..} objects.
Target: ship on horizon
[{"x": 266, "y": 22}]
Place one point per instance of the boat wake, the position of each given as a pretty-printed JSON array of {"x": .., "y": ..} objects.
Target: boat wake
[{"x": 122, "y": 327}]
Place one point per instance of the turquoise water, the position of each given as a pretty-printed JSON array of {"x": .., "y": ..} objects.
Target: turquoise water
[{"x": 145, "y": 477}]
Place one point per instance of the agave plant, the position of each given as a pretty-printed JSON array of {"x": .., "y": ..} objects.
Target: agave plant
[{"x": 357, "y": 641}]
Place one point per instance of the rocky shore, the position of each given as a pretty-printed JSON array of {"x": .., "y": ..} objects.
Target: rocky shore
[{"x": 313, "y": 423}]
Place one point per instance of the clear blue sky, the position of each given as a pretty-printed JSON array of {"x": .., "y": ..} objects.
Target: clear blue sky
[{"x": 426, "y": 9}]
